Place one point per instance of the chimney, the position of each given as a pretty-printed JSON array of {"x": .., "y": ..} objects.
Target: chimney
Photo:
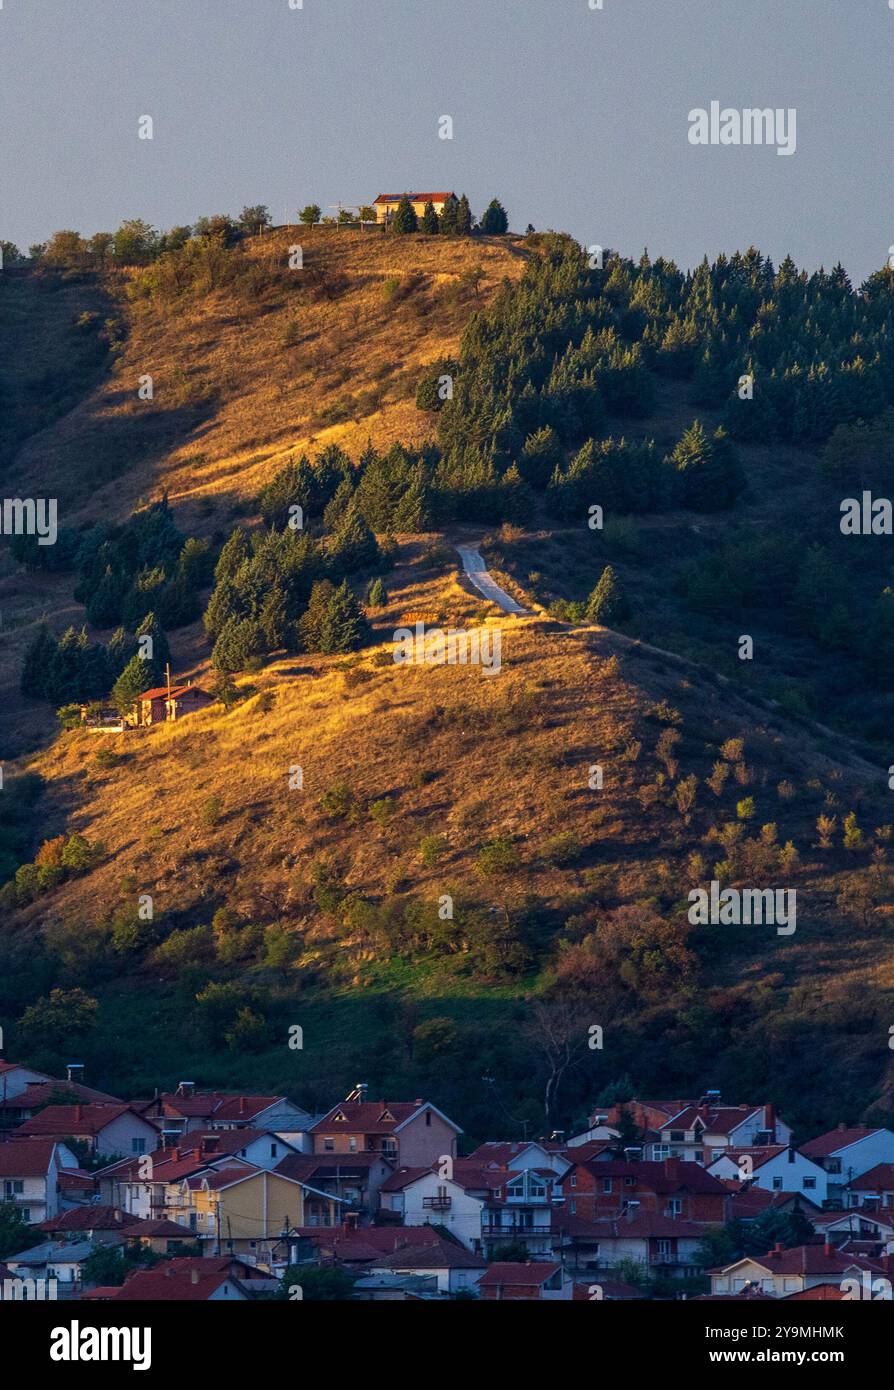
[
  {"x": 186, "y": 1088},
  {"x": 75, "y": 1072},
  {"x": 175, "y": 1155},
  {"x": 827, "y": 1248},
  {"x": 841, "y": 1126},
  {"x": 242, "y": 1105},
  {"x": 778, "y": 1248},
  {"x": 193, "y": 1276}
]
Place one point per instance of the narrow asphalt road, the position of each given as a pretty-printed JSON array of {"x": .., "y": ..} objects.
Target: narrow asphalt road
[{"x": 478, "y": 575}]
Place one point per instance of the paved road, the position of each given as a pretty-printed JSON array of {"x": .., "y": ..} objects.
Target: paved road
[{"x": 484, "y": 582}]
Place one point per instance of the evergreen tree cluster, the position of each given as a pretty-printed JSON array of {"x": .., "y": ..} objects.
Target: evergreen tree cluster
[
  {"x": 573, "y": 344},
  {"x": 455, "y": 219},
  {"x": 74, "y": 670}
]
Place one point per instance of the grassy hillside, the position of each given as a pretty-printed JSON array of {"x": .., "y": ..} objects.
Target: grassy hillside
[{"x": 323, "y": 904}]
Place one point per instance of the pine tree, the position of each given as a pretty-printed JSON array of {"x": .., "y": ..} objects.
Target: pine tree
[
  {"x": 136, "y": 677},
  {"x": 495, "y": 221},
  {"x": 160, "y": 650},
  {"x": 464, "y": 219},
  {"x": 36, "y": 667},
  {"x": 449, "y": 225},
  {"x": 430, "y": 224},
  {"x": 608, "y": 603},
  {"x": 709, "y": 467},
  {"x": 354, "y": 546},
  {"x": 344, "y": 627},
  {"x": 376, "y": 594},
  {"x": 405, "y": 219},
  {"x": 240, "y": 641}
]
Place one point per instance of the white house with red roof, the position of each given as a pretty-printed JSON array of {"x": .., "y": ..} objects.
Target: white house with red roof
[
  {"x": 775, "y": 1168},
  {"x": 14, "y": 1077},
  {"x": 782, "y": 1272},
  {"x": 460, "y": 1202},
  {"x": 149, "y": 1185},
  {"x": 848, "y": 1152},
  {"x": 660, "y": 1245},
  {"x": 187, "y": 1109},
  {"x": 29, "y": 1175},
  {"x": 695, "y": 1131},
  {"x": 873, "y": 1190}
]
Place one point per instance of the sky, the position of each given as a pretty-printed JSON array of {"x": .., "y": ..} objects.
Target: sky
[{"x": 576, "y": 118}]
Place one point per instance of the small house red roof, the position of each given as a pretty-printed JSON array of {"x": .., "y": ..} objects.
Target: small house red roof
[
  {"x": 413, "y": 197},
  {"x": 533, "y": 1274}
]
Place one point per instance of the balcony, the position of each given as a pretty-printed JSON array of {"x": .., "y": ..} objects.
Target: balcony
[{"x": 437, "y": 1203}]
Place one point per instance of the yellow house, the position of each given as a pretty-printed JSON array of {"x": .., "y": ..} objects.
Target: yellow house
[
  {"x": 386, "y": 204},
  {"x": 241, "y": 1213}
]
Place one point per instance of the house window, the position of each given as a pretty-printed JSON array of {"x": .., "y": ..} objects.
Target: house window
[
  {"x": 674, "y": 1206},
  {"x": 606, "y": 1184},
  {"x": 716, "y": 1153},
  {"x": 389, "y": 1146},
  {"x": 428, "y": 1117},
  {"x": 630, "y": 1182},
  {"x": 678, "y": 1136},
  {"x": 777, "y": 1184},
  {"x": 274, "y": 1150},
  {"x": 329, "y": 1145},
  {"x": 573, "y": 1180},
  {"x": 573, "y": 1207},
  {"x": 809, "y": 1184},
  {"x": 660, "y": 1151},
  {"x": 833, "y": 1165},
  {"x": 665, "y": 1250},
  {"x": 138, "y": 1146},
  {"x": 26, "y": 1214}
]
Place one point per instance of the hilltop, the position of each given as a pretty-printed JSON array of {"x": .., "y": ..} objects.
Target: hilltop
[{"x": 300, "y": 840}]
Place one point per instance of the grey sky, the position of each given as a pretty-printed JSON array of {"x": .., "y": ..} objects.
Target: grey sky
[{"x": 575, "y": 118}]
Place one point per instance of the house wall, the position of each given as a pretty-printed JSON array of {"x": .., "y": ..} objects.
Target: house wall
[
  {"x": 462, "y": 1218},
  {"x": 37, "y": 1196},
  {"x": 793, "y": 1175},
  {"x": 858, "y": 1158},
  {"x": 118, "y": 1137},
  {"x": 421, "y": 1144}
]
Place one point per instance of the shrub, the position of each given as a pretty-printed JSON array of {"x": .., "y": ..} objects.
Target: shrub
[
  {"x": 561, "y": 849},
  {"x": 499, "y": 856}
]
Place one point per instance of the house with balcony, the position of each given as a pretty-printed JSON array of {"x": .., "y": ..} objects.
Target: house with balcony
[
  {"x": 661, "y": 1245},
  {"x": 606, "y": 1188},
  {"x": 188, "y": 1110},
  {"x": 150, "y": 1186},
  {"x": 463, "y": 1203},
  {"x": 104, "y": 1129},
  {"x": 695, "y": 1131},
  {"x": 412, "y": 1134},
  {"x": 237, "y": 1212},
  {"x": 873, "y": 1191},
  {"x": 355, "y": 1179},
  {"x": 29, "y": 1176}
]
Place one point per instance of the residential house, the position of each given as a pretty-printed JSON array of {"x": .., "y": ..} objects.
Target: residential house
[
  {"x": 168, "y": 702},
  {"x": 105, "y": 1129},
  {"x": 454, "y": 1268},
  {"x": 698, "y": 1131},
  {"x": 782, "y": 1272},
  {"x": 62, "y": 1260},
  {"x": 14, "y": 1077},
  {"x": 105, "y": 1225},
  {"x": 776, "y": 1167},
  {"x": 873, "y": 1190},
  {"x": 355, "y": 1179},
  {"x": 661, "y": 1245},
  {"x": 464, "y": 1204},
  {"x": 37, "y": 1095},
  {"x": 672, "y": 1188},
  {"x": 356, "y": 1248},
  {"x": 185, "y": 1281},
  {"x": 848, "y": 1152},
  {"x": 29, "y": 1175},
  {"x": 151, "y": 1186},
  {"x": 874, "y": 1228},
  {"x": 541, "y": 1281},
  {"x": 412, "y": 1134},
  {"x": 244, "y": 1213},
  {"x": 386, "y": 204},
  {"x": 186, "y": 1110}
]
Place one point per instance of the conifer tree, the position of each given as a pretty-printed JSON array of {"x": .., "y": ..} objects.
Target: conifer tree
[
  {"x": 36, "y": 667},
  {"x": 430, "y": 224},
  {"x": 464, "y": 219},
  {"x": 495, "y": 221},
  {"x": 405, "y": 219},
  {"x": 608, "y": 603},
  {"x": 344, "y": 627}
]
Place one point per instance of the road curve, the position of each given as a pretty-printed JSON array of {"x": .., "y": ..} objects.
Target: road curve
[{"x": 483, "y": 581}]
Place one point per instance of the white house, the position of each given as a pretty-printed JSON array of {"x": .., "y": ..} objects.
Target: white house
[
  {"x": 774, "y": 1169},
  {"x": 61, "y": 1260},
  {"x": 454, "y": 1268},
  {"x": 848, "y": 1152},
  {"x": 29, "y": 1175},
  {"x": 782, "y": 1272},
  {"x": 424, "y": 1198}
]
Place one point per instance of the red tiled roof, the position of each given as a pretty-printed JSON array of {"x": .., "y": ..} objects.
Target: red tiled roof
[
  {"x": 37, "y": 1093},
  {"x": 26, "y": 1158},
  {"x": 89, "y": 1218},
  {"x": 413, "y": 197},
  {"x": 812, "y": 1259},
  {"x": 441, "y": 1255},
  {"x": 671, "y": 1175},
  {"x": 645, "y": 1225},
  {"x": 304, "y": 1167},
  {"x": 174, "y": 1281},
  {"x": 160, "y": 692},
  {"x": 367, "y": 1116},
  {"x": 195, "y": 1153},
  {"x": 877, "y": 1179},
  {"x": 403, "y": 1178},
  {"x": 836, "y": 1139},
  {"x": 72, "y": 1119},
  {"x": 533, "y": 1274}
]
